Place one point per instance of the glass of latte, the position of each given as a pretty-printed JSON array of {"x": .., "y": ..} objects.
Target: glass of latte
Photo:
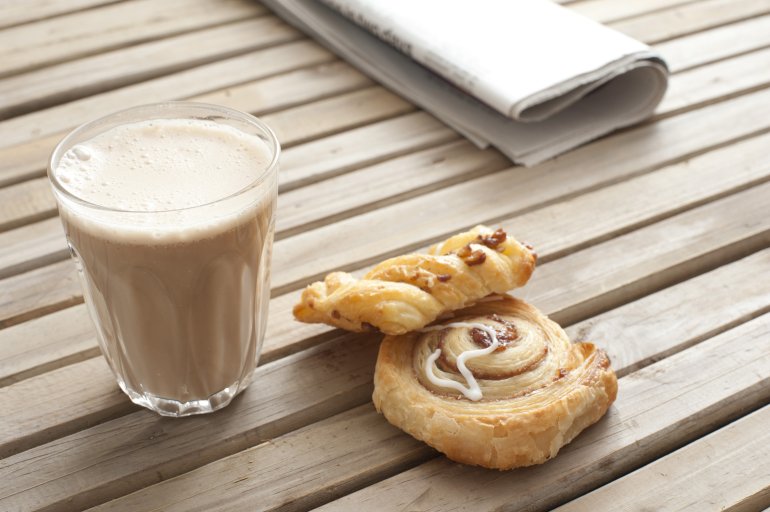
[{"x": 168, "y": 211}]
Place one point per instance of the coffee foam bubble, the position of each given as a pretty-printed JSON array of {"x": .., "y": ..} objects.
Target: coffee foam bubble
[{"x": 157, "y": 169}]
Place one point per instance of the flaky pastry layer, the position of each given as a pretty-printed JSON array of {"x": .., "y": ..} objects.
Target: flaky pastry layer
[
  {"x": 539, "y": 389},
  {"x": 408, "y": 292}
]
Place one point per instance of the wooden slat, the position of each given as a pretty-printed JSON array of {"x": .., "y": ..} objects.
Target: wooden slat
[
  {"x": 268, "y": 94},
  {"x": 28, "y": 158},
  {"x": 716, "y": 44},
  {"x": 701, "y": 85},
  {"x": 690, "y": 18},
  {"x": 634, "y": 264},
  {"x": 97, "y": 402},
  {"x": 292, "y": 481},
  {"x": 557, "y": 230},
  {"x": 334, "y": 115},
  {"x": 608, "y": 283},
  {"x": 727, "y": 470},
  {"x": 337, "y": 154},
  {"x": 41, "y": 243},
  {"x": 69, "y": 36},
  {"x": 292, "y": 88},
  {"x": 84, "y": 374},
  {"x": 505, "y": 193},
  {"x": 38, "y": 292},
  {"x": 14, "y": 12},
  {"x": 64, "y": 82},
  {"x": 113, "y": 458},
  {"x": 310, "y": 481},
  {"x": 663, "y": 323},
  {"x": 33, "y": 200},
  {"x": 658, "y": 409},
  {"x": 61, "y": 118},
  {"x": 605, "y": 275},
  {"x": 26, "y": 202},
  {"x": 607, "y": 11},
  {"x": 48, "y": 342},
  {"x": 31, "y": 246},
  {"x": 373, "y": 187}
]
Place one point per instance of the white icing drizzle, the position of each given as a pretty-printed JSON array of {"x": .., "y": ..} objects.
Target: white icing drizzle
[{"x": 472, "y": 391}]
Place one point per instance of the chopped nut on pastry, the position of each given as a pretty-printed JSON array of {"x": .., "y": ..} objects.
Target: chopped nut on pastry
[{"x": 408, "y": 292}]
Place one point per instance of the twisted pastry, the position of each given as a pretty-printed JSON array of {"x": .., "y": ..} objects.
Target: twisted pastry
[
  {"x": 536, "y": 389},
  {"x": 408, "y": 292}
]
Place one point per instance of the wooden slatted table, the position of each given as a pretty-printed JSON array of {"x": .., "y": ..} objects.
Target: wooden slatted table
[{"x": 653, "y": 242}]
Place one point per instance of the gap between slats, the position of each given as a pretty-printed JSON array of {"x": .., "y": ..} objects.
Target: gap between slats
[
  {"x": 43, "y": 196},
  {"x": 712, "y": 468},
  {"x": 608, "y": 280},
  {"x": 676, "y": 334},
  {"x": 108, "y": 109},
  {"x": 751, "y": 151},
  {"x": 30, "y": 11},
  {"x": 37, "y": 44}
]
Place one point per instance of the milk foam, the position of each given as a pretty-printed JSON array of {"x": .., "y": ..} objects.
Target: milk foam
[
  {"x": 163, "y": 164},
  {"x": 158, "y": 168}
]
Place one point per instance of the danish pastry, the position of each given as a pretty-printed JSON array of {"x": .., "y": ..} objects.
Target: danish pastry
[
  {"x": 408, "y": 292},
  {"x": 500, "y": 386}
]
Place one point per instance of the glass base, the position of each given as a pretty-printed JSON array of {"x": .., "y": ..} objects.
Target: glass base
[{"x": 176, "y": 409}]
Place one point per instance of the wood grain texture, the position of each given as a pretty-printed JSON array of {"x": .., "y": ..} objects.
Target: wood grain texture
[
  {"x": 308, "y": 206},
  {"x": 38, "y": 292},
  {"x": 603, "y": 276},
  {"x": 648, "y": 325},
  {"x": 300, "y": 486},
  {"x": 690, "y": 18},
  {"x": 607, "y": 11},
  {"x": 59, "y": 83},
  {"x": 45, "y": 343},
  {"x": 26, "y": 202},
  {"x": 33, "y": 198},
  {"x": 565, "y": 227},
  {"x": 31, "y": 246},
  {"x": 26, "y": 159},
  {"x": 632, "y": 265},
  {"x": 659, "y": 408},
  {"x": 292, "y": 472},
  {"x": 716, "y": 44},
  {"x": 98, "y": 464},
  {"x": 516, "y": 190},
  {"x": 372, "y": 187},
  {"x": 183, "y": 84},
  {"x": 334, "y": 115},
  {"x": 298, "y": 261},
  {"x": 713, "y": 469},
  {"x": 336, "y": 154},
  {"x": 723, "y": 79},
  {"x": 14, "y": 12},
  {"x": 653, "y": 243},
  {"x": 111, "y": 26},
  {"x": 660, "y": 324}
]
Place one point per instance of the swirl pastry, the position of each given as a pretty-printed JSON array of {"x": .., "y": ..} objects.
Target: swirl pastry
[
  {"x": 408, "y": 292},
  {"x": 501, "y": 386}
]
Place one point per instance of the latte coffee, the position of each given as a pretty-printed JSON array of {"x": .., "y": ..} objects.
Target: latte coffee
[{"x": 169, "y": 212}]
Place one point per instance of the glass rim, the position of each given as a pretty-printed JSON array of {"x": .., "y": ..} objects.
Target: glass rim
[{"x": 59, "y": 150}]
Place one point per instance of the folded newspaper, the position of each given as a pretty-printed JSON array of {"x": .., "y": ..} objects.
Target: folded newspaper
[{"x": 528, "y": 77}]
